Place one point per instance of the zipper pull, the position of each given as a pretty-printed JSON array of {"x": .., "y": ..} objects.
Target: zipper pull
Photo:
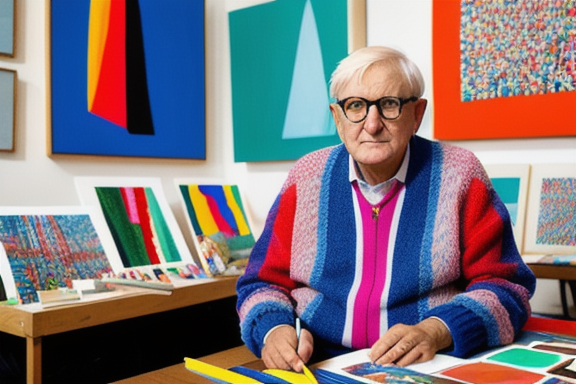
[{"x": 375, "y": 212}]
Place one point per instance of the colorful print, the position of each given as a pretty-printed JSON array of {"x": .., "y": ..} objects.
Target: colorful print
[
  {"x": 138, "y": 226},
  {"x": 487, "y": 373},
  {"x": 557, "y": 212},
  {"x": 393, "y": 374},
  {"x": 511, "y": 48},
  {"x": 217, "y": 210},
  {"x": 526, "y": 358},
  {"x": 47, "y": 252}
]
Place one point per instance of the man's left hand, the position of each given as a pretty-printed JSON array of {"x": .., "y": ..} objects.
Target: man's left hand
[{"x": 406, "y": 344}]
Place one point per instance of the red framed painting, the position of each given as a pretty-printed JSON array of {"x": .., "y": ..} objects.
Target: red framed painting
[{"x": 503, "y": 69}]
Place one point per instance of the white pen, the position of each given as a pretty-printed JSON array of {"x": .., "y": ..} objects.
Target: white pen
[{"x": 298, "y": 331}]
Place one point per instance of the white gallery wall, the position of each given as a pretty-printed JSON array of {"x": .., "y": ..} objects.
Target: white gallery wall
[{"x": 28, "y": 177}]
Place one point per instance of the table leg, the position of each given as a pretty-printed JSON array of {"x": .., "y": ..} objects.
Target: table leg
[
  {"x": 33, "y": 360},
  {"x": 563, "y": 298},
  {"x": 572, "y": 285}
]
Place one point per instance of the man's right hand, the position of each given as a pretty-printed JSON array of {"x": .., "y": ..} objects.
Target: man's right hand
[{"x": 279, "y": 352}]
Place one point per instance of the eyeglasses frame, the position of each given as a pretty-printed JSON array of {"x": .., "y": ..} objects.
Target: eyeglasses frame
[{"x": 370, "y": 103}]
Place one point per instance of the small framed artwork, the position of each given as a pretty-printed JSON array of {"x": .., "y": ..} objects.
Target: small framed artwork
[
  {"x": 219, "y": 224},
  {"x": 511, "y": 183},
  {"x": 7, "y": 28},
  {"x": 44, "y": 248},
  {"x": 551, "y": 217},
  {"x": 126, "y": 78},
  {"x": 8, "y": 80},
  {"x": 140, "y": 220}
]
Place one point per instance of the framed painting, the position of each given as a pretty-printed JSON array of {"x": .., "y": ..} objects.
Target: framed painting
[
  {"x": 511, "y": 183},
  {"x": 8, "y": 81},
  {"x": 218, "y": 223},
  {"x": 7, "y": 28},
  {"x": 503, "y": 69},
  {"x": 282, "y": 56},
  {"x": 43, "y": 248},
  {"x": 126, "y": 78},
  {"x": 138, "y": 215},
  {"x": 551, "y": 217}
]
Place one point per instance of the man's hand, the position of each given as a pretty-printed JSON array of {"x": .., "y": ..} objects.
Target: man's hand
[
  {"x": 406, "y": 344},
  {"x": 280, "y": 349}
]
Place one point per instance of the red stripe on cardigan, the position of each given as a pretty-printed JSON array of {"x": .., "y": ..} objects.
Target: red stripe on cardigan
[
  {"x": 276, "y": 267},
  {"x": 482, "y": 248}
]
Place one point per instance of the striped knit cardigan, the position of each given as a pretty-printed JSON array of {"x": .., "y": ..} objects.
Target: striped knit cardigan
[{"x": 453, "y": 255}]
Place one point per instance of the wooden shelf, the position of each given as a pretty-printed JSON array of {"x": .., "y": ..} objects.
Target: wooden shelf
[{"x": 553, "y": 271}]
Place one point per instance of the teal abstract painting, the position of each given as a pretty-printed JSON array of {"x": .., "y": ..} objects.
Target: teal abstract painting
[{"x": 282, "y": 55}]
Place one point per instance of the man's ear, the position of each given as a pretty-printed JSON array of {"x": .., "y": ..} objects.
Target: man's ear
[
  {"x": 419, "y": 110},
  {"x": 335, "y": 115}
]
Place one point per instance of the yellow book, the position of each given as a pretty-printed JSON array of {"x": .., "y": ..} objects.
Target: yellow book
[
  {"x": 309, "y": 375},
  {"x": 293, "y": 377},
  {"x": 225, "y": 376},
  {"x": 217, "y": 374}
]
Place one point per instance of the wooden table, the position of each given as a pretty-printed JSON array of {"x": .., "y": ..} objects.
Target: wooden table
[
  {"x": 178, "y": 374},
  {"x": 566, "y": 274},
  {"x": 34, "y": 325}
]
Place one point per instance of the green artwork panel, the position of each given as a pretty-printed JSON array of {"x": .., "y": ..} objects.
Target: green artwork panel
[
  {"x": 166, "y": 242},
  {"x": 282, "y": 55},
  {"x": 127, "y": 236},
  {"x": 526, "y": 358}
]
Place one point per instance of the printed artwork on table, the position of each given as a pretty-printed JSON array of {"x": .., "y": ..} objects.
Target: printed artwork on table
[
  {"x": 551, "y": 223},
  {"x": 510, "y": 59},
  {"x": 521, "y": 364},
  {"x": 488, "y": 373},
  {"x": 558, "y": 347},
  {"x": 526, "y": 358},
  {"x": 144, "y": 228},
  {"x": 219, "y": 225},
  {"x": 46, "y": 248},
  {"x": 393, "y": 374}
]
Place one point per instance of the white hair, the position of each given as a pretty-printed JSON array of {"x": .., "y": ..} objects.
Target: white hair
[{"x": 355, "y": 65}]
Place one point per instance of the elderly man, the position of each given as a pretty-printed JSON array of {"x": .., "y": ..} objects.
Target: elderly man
[{"x": 388, "y": 241}]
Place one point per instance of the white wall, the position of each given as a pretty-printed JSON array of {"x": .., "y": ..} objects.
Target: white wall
[{"x": 29, "y": 177}]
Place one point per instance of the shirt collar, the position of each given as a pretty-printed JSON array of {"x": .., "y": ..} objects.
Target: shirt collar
[{"x": 400, "y": 175}]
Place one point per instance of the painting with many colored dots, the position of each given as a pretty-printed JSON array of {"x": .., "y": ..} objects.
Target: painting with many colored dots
[
  {"x": 551, "y": 217},
  {"x": 503, "y": 69}
]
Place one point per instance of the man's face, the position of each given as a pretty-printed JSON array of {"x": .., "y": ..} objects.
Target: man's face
[{"x": 376, "y": 143}]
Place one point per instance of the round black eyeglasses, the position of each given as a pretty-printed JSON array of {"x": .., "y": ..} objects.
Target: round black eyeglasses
[{"x": 356, "y": 108}]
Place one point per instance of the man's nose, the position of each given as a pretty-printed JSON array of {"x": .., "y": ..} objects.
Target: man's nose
[{"x": 373, "y": 122}]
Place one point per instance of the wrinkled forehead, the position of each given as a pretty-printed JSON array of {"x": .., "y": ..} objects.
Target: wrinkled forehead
[{"x": 377, "y": 81}]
